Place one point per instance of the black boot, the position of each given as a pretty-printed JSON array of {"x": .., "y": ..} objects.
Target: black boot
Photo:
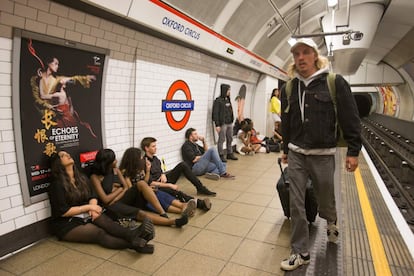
[
  {"x": 141, "y": 236},
  {"x": 146, "y": 230},
  {"x": 138, "y": 237},
  {"x": 183, "y": 220},
  {"x": 232, "y": 157},
  {"x": 222, "y": 158},
  {"x": 204, "y": 204},
  {"x": 146, "y": 249}
]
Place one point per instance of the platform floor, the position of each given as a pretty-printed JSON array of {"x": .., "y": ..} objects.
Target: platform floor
[{"x": 245, "y": 233}]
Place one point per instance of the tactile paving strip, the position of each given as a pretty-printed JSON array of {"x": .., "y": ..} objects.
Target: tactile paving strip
[
  {"x": 352, "y": 254},
  {"x": 326, "y": 258},
  {"x": 356, "y": 246}
]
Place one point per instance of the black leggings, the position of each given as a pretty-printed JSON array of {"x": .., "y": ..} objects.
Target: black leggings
[{"x": 94, "y": 233}]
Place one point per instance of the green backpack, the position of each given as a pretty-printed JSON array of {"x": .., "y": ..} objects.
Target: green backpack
[{"x": 330, "y": 79}]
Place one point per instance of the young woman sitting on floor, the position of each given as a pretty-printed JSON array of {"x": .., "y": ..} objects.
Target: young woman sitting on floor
[
  {"x": 77, "y": 217},
  {"x": 124, "y": 200}
]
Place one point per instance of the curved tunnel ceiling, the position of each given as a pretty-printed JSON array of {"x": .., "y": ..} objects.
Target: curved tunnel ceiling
[{"x": 258, "y": 26}]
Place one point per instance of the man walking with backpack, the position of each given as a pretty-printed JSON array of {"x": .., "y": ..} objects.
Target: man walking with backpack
[{"x": 312, "y": 115}]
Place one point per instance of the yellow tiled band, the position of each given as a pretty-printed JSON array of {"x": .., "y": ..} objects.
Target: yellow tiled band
[{"x": 379, "y": 258}]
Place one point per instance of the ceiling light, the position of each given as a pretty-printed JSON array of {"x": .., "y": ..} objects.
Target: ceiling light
[
  {"x": 332, "y": 3},
  {"x": 291, "y": 41}
]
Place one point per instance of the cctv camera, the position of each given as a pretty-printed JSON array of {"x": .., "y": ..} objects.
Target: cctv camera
[
  {"x": 346, "y": 39},
  {"x": 357, "y": 36}
]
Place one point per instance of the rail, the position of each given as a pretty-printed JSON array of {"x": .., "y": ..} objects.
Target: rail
[{"x": 393, "y": 156}]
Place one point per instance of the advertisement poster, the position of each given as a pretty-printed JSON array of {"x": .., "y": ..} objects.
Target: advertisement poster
[
  {"x": 390, "y": 100},
  {"x": 60, "y": 91},
  {"x": 241, "y": 95}
]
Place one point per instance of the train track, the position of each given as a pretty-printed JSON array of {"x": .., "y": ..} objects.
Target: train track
[{"x": 393, "y": 156}]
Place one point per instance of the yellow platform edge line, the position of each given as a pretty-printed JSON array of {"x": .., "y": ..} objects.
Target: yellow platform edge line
[{"x": 379, "y": 257}]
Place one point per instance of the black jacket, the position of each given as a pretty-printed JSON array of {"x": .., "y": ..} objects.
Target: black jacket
[
  {"x": 189, "y": 151},
  {"x": 318, "y": 129},
  {"x": 222, "y": 109}
]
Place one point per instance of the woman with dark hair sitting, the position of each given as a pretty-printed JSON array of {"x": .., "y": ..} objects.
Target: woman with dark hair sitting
[
  {"x": 243, "y": 144},
  {"x": 258, "y": 144},
  {"x": 77, "y": 217},
  {"x": 124, "y": 200},
  {"x": 135, "y": 168}
]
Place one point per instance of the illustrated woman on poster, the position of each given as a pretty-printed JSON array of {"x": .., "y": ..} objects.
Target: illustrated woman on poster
[
  {"x": 240, "y": 99},
  {"x": 49, "y": 92}
]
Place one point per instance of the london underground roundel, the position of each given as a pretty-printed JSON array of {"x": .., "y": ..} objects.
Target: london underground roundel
[{"x": 169, "y": 105}]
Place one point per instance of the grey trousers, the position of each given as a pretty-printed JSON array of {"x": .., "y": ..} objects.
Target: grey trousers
[
  {"x": 320, "y": 168},
  {"x": 226, "y": 133}
]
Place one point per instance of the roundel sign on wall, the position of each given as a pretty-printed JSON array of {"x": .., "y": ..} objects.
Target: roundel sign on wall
[{"x": 169, "y": 105}]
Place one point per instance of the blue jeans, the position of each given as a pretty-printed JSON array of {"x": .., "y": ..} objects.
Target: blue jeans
[{"x": 209, "y": 162}]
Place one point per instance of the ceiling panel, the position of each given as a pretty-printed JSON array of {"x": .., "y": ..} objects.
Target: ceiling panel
[
  {"x": 403, "y": 52},
  {"x": 247, "y": 20},
  {"x": 204, "y": 11},
  {"x": 246, "y": 23}
]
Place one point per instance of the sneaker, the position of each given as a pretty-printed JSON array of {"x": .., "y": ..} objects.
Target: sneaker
[
  {"x": 294, "y": 261},
  {"x": 227, "y": 176},
  {"x": 332, "y": 232},
  {"x": 222, "y": 158},
  {"x": 232, "y": 157},
  {"x": 204, "y": 191},
  {"x": 190, "y": 209},
  {"x": 212, "y": 176}
]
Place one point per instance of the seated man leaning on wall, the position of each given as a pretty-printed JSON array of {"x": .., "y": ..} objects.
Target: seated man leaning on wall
[
  {"x": 167, "y": 180},
  {"x": 201, "y": 159}
]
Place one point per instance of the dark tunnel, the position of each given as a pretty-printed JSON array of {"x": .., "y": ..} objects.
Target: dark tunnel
[{"x": 364, "y": 103}]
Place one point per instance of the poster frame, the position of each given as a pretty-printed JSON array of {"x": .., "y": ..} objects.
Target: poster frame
[{"x": 18, "y": 34}]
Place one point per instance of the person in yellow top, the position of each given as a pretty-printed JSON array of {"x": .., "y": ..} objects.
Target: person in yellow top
[{"x": 275, "y": 105}]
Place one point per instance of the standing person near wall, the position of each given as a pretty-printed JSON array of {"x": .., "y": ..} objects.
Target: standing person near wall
[
  {"x": 275, "y": 105},
  {"x": 223, "y": 117},
  {"x": 309, "y": 118},
  {"x": 77, "y": 217}
]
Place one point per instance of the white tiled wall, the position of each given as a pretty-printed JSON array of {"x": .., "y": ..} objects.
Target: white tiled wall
[
  {"x": 118, "y": 105},
  {"x": 140, "y": 69},
  {"x": 153, "y": 87}
]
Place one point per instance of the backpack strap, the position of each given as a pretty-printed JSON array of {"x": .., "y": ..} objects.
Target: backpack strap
[
  {"x": 330, "y": 79},
  {"x": 288, "y": 91}
]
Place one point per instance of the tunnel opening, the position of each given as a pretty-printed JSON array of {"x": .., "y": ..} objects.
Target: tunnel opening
[{"x": 364, "y": 103}]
